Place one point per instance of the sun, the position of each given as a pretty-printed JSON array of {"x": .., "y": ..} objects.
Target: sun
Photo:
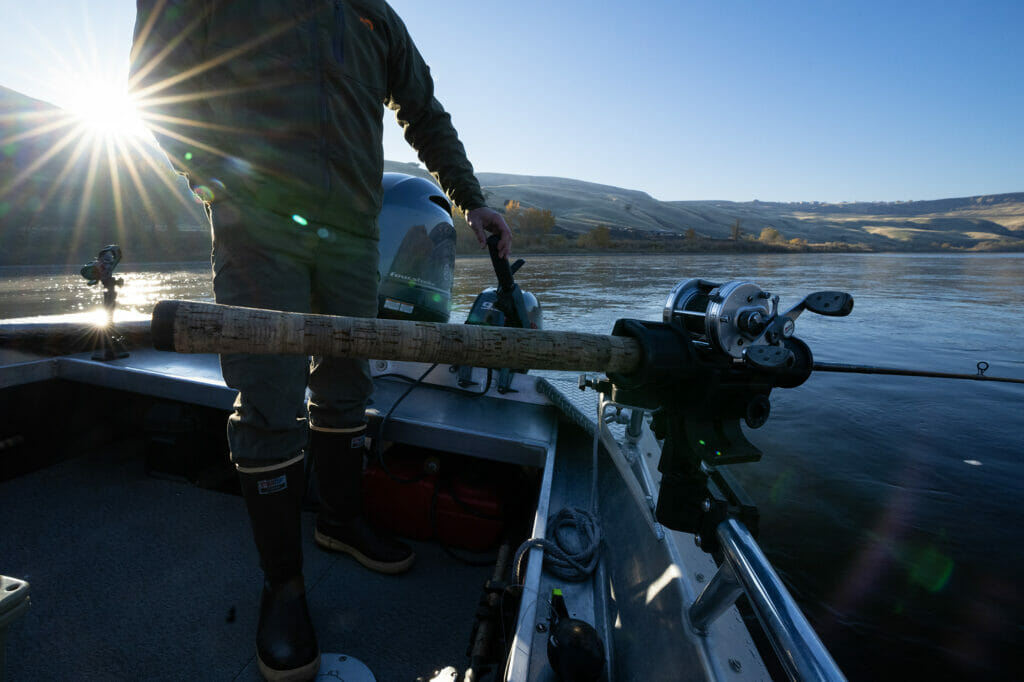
[{"x": 103, "y": 108}]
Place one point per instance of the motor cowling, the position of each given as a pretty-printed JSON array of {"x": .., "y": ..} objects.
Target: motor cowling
[
  {"x": 488, "y": 311},
  {"x": 417, "y": 250}
]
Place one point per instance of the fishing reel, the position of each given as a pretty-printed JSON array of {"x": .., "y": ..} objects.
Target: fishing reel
[
  {"x": 101, "y": 270},
  {"x": 741, "y": 321},
  {"x": 713, "y": 360},
  {"x": 111, "y": 345}
]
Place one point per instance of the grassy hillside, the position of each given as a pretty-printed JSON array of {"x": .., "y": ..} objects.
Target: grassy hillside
[
  {"x": 972, "y": 222},
  {"x": 979, "y": 223}
]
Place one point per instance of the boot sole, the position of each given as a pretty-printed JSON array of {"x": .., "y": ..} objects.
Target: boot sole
[
  {"x": 303, "y": 674},
  {"x": 388, "y": 568}
]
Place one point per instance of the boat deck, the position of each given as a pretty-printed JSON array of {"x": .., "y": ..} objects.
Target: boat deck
[
  {"x": 137, "y": 575},
  {"x": 141, "y": 566},
  {"x": 143, "y": 578}
]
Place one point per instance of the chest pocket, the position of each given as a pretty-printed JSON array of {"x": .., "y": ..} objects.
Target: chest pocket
[{"x": 359, "y": 48}]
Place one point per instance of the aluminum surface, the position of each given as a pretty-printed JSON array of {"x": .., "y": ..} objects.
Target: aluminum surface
[{"x": 795, "y": 641}]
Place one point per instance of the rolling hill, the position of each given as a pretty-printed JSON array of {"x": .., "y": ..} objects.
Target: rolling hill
[
  {"x": 61, "y": 199},
  {"x": 964, "y": 222}
]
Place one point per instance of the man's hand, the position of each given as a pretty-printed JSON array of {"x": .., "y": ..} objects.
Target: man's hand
[{"x": 483, "y": 218}]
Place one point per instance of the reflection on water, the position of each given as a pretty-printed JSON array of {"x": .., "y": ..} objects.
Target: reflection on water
[
  {"x": 39, "y": 291},
  {"x": 890, "y": 505},
  {"x": 923, "y": 311}
]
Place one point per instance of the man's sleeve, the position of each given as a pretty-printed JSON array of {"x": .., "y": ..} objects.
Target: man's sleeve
[
  {"x": 167, "y": 61},
  {"x": 428, "y": 127}
]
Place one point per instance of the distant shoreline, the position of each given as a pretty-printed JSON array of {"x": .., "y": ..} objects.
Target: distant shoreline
[{"x": 128, "y": 265}]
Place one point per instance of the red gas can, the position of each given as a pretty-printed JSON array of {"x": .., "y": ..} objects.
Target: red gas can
[{"x": 425, "y": 495}]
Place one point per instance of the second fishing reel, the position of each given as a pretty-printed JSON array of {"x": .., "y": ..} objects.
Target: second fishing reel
[
  {"x": 713, "y": 360},
  {"x": 718, "y": 347}
]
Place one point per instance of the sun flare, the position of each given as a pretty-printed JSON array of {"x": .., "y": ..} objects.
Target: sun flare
[{"x": 104, "y": 109}]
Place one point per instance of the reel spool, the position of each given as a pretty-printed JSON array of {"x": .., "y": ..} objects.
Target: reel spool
[
  {"x": 740, "y": 322},
  {"x": 722, "y": 318}
]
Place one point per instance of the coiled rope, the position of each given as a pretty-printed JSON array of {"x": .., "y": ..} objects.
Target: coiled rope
[{"x": 574, "y": 549}]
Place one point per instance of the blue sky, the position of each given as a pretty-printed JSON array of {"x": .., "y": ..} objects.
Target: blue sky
[{"x": 723, "y": 99}]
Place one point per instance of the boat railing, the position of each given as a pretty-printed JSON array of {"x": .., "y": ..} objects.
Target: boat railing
[
  {"x": 746, "y": 570},
  {"x": 625, "y": 432}
]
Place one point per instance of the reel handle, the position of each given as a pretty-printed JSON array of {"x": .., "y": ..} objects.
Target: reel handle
[{"x": 829, "y": 303}]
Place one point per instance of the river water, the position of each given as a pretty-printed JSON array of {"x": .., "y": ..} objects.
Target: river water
[{"x": 891, "y": 506}]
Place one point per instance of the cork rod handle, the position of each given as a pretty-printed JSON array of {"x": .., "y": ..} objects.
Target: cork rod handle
[{"x": 195, "y": 327}]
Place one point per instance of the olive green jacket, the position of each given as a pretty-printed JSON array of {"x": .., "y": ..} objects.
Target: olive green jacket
[{"x": 281, "y": 103}]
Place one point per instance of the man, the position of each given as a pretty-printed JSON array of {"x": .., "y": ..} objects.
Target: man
[{"x": 274, "y": 111}]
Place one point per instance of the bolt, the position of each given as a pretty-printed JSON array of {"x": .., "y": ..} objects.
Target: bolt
[
  {"x": 707, "y": 505},
  {"x": 697, "y": 540},
  {"x": 541, "y": 627},
  {"x": 700, "y": 577},
  {"x": 735, "y": 665}
]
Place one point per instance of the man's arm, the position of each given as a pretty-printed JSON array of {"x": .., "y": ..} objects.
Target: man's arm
[{"x": 429, "y": 130}]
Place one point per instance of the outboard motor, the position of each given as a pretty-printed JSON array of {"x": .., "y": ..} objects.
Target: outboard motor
[
  {"x": 503, "y": 306},
  {"x": 417, "y": 250}
]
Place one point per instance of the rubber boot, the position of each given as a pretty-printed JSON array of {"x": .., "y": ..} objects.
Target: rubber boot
[
  {"x": 340, "y": 525},
  {"x": 285, "y": 641}
]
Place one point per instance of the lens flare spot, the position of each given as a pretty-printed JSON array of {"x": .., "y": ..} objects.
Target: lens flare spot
[
  {"x": 296, "y": 218},
  {"x": 188, "y": 156},
  {"x": 203, "y": 192},
  {"x": 972, "y": 462},
  {"x": 323, "y": 233},
  {"x": 931, "y": 569}
]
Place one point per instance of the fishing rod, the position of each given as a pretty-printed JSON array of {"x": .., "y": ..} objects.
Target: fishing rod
[
  {"x": 896, "y": 371},
  {"x": 60, "y": 338}
]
